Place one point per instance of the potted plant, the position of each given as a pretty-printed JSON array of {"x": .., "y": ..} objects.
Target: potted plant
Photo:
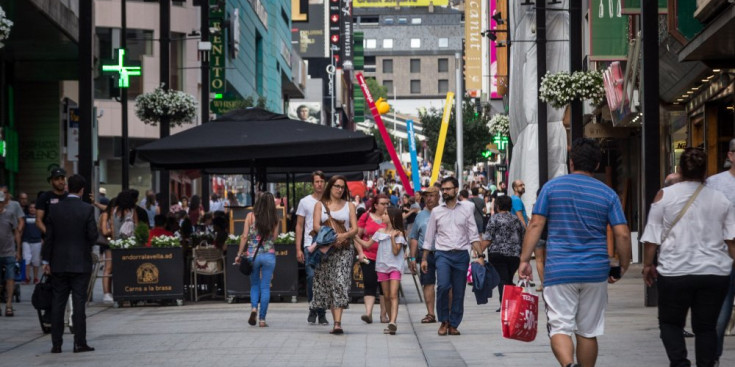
[
  {"x": 165, "y": 241},
  {"x": 5, "y": 25},
  {"x": 124, "y": 243},
  {"x": 560, "y": 89},
  {"x": 179, "y": 107},
  {"x": 286, "y": 238},
  {"x": 499, "y": 124}
]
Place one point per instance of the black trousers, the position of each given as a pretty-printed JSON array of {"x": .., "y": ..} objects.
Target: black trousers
[
  {"x": 506, "y": 267},
  {"x": 704, "y": 294},
  {"x": 370, "y": 279},
  {"x": 63, "y": 284}
]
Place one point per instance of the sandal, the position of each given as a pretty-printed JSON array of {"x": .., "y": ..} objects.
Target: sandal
[
  {"x": 9, "y": 312},
  {"x": 392, "y": 328},
  {"x": 253, "y": 315},
  {"x": 367, "y": 319},
  {"x": 263, "y": 324},
  {"x": 428, "y": 319},
  {"x": 337, "y": 328},
  {"x": 384, "y": 320}
]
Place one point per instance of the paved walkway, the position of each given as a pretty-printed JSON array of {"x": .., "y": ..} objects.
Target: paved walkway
[{"x": 215, "y": 333}]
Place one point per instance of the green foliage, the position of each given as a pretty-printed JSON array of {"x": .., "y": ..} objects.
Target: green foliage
[
  {"x": 376, "y": 90},
  {"x": 476, "y": 133},
  {"x": 141, "y": 233},
  {"x": 381, "y": 144}
]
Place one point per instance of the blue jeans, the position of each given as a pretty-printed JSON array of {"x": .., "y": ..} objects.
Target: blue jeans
[
  {"x": 725, "y": 313},
  {"x": 451, "y": 273},
  {"x": 260, "y": 282},
  {"x": 310, "y": 279}
]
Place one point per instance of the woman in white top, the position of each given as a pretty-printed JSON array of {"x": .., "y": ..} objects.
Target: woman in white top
[
  {"x": 695, "y": 258},
  {"x": 333, "y": 277}
]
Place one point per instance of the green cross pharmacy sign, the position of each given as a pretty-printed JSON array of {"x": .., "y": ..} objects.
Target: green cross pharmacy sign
[{"x": 123, "y": 71}]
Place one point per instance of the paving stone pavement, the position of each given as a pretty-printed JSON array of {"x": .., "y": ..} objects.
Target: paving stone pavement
[{"x": 215, "y": 333}]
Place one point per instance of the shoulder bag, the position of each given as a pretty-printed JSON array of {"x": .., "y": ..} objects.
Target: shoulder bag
[
  {"x": 682, "y": 212},
  {"x": 246, "y": 265}
]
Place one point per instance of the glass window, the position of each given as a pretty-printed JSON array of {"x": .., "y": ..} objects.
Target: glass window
[
  {"x": 402, "y": 21},
  {"x": 443, "y": 42},
  {"x": 387, "y": 66},
  {"x": 415, "y": 65},
  {"x": 415, "y": 42},
  {"x": 415, "y": 20},
  {"x": 388, "y": 21},
  {"x": 388, "y": 43},
  {"x": 443, "y": 65},
  {"x": 371, "y": 43},
  {"x": 415, "y": 86},
  {"x": 177, "y": 61},
  {"x": 443, "y": 86},
  {"x": 388, "y": 84}
]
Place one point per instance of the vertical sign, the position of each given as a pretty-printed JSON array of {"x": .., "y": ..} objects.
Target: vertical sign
[
  {"x": 608, "y": 31},
  {"x": 414, "y": 160},
  {"x": 217, "y": 55},
  {"x": 384, "y": 134},
  {"x": 72, "y": 135},
  {"x": 334, "y": 30},
  {"x": 494, "y": 70},
  {"x": 473, "y": 47},
  {"x": 345, "y": 43},
  {"x": 442, "y": 138}
]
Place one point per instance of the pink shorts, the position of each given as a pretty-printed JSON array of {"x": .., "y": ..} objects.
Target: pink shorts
[{"x": 393, "y": 275}]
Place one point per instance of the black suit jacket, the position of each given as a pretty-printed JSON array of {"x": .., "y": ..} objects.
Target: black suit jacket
[{"x": 70, "y": 234}]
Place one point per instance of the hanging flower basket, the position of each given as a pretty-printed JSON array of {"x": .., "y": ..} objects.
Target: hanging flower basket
[
  {"x": 499, "y": 124},
  {"x": 5, "y": 25},
  {"x": 560, "y": 89},
  {"x": 179, "y": 107}
]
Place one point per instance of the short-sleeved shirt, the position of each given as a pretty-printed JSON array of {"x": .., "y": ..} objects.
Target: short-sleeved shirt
[
  {"x": 15, "y": 209},
  {"x": 386, "y": 262},
  {"x": 254, "y": 238},
  {"x": 306, "y": 210},
  {"x": 418, "y": 231},
  {"x": 518, "y": 206},
  {"x": 371, "y": 227},
  {"x": 723, "y": 182},
  {"x": 31, "y": 233},
  {"x": 578, "y": 209},
  {"x": 505, "y": 233},
  {"x": 46, "y": 200},
  {"x": 8, "y": 224}
]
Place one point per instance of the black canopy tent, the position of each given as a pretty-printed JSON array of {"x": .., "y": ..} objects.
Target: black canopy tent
[{"x": 261, "y": 142}]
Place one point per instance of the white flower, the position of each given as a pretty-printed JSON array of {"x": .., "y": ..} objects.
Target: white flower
[
  {"x": 232, "y": 240},
  {"x": 178, "y": 106},
  {"x": 499, "y": 124},
  {"x": 5, "y": 25},
  {"x": 124, "y": 243},
  {"x": 165, "y": 241}
]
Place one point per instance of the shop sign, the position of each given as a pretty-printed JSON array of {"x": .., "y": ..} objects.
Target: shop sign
[
  {"x": 285, "y": 280},
  {"x": 608, "y": 31},
  {"x": 260, "y": 11},
  {"x": 148, "y": 273},
  {"x": 225, "y": 104},
  {"x": 217, "y": 54},
  {"x": 72, "y": 135},
  {"x": 473, "y": 46}
]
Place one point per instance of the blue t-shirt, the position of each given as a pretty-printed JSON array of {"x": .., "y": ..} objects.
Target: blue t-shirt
[
  {"x": 578, "y": 209},
  {"x": 394, "y": 200},
  {"x": 418, "y": 231},
  {"x": 518, "y": 205}
]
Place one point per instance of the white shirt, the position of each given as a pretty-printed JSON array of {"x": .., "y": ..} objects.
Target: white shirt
[
  {"x": 695, "y": 245},
  {"x": 306, "y": 210},
  {"x": 723, "y": 182},
  {"x": 451, "y": 229},
  {"x": 218, "y": 205},
  {"x": 385, "y": 261}
]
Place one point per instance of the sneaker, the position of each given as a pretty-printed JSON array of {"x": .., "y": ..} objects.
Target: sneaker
[
  {"x": 312, "y": 317},
  {"x": 107, "y": 298},
  {"x": 323, "y": 320}
]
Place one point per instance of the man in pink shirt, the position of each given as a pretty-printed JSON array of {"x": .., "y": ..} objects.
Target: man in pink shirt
[{"x": 452, "y": 231}]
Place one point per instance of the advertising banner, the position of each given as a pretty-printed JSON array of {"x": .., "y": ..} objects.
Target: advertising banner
[
  {"x": 414, "y": 159},
  {"x": 442, "y": 138},
  {"x": 305, "y": 111},
  {"x": 285, "y": 278},
  {"x": 608, "y": 31},
  {"x": 307, "y": 38},
  {"x": 473, "y": 47},
  {"x": 394, "y": 3},
  {"x": 148, "y": 273}
]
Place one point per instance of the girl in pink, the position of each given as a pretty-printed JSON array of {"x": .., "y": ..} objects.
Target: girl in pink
[{"x": 389, "y": 261}]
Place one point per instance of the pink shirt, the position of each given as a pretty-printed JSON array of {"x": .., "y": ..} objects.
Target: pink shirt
[
  {"x": 451, "y": 229},
  {"x": 370, "y": 226}
]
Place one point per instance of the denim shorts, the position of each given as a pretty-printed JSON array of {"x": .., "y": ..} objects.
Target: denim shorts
[
  {"x": 8, "y": 262},
  {"x": 429, "y": 277}
]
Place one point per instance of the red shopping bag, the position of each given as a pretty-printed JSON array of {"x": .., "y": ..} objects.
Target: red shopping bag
[{"x": 519, "y": 314}]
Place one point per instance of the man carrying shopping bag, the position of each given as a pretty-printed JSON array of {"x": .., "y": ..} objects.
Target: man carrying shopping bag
[{"x": 578, "y": 209}]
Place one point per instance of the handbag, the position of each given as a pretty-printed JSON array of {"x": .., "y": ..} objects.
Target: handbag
[
  {"x": 42, "y": 294},
  {"x": 246, "y": 265},
  {"x": 337, "y": 226},
  {"x": 519, "y": 313}
]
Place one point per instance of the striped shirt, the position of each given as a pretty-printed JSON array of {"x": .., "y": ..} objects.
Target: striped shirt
[{"x": 578, "y": 209}]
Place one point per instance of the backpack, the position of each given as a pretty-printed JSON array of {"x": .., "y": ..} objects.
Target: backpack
[{"x": 127, "y": 229}]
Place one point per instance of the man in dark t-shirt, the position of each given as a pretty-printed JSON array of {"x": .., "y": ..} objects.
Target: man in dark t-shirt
[{"x": 49, "y": 198}]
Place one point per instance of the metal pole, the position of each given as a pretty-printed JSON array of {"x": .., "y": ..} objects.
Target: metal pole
[
  {"x": 165, "y": 66},
  {"x": 204, "y": 105},
  {"x": 333, "y": 82},
  {"x": 650, "y": 166},
  {"x": 458, "y": 116},
  {"x": 86, "y": 94},
  {"x": 543, "y": 162},
  {"x": 575, "y": 63},
  {"x": 124, "y": 101}
]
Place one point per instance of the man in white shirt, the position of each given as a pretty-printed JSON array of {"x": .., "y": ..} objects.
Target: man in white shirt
[
  {"x": 724, "y": 182},
  {"x": 304, "y": 226},
  {"x": 452, "y": 231}
]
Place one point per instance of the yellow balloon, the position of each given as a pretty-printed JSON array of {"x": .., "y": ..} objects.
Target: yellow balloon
[{"x": 382, "y": 106}]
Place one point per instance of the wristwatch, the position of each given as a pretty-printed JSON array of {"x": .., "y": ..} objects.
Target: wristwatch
[{"x": 481, "y": 256}]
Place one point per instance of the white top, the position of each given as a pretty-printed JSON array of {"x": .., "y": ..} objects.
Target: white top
[
  {"x": 723, "y": 182},
  {"x": 342, "y": 214},
  {"x": 695, "y": 245},
  {"x": 306, "y": 210},
  {"x": 385, "y": 261},
  {"x": 218, "y": 205},
  {"x": 451, "y": 228}
]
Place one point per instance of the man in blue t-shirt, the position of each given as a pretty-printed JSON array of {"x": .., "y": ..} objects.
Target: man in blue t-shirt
[
  {"x": 578, "y": 208},
  {"x": 518, "y": 209}
]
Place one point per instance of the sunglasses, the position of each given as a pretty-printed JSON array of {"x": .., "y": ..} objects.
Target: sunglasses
[{"x": 339, "y": 187}]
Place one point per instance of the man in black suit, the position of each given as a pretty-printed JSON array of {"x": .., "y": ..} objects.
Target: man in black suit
[{"x": 71, "y": 232}]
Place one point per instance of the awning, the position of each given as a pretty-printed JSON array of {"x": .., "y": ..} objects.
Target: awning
[{"x": 714, "y": 45}]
